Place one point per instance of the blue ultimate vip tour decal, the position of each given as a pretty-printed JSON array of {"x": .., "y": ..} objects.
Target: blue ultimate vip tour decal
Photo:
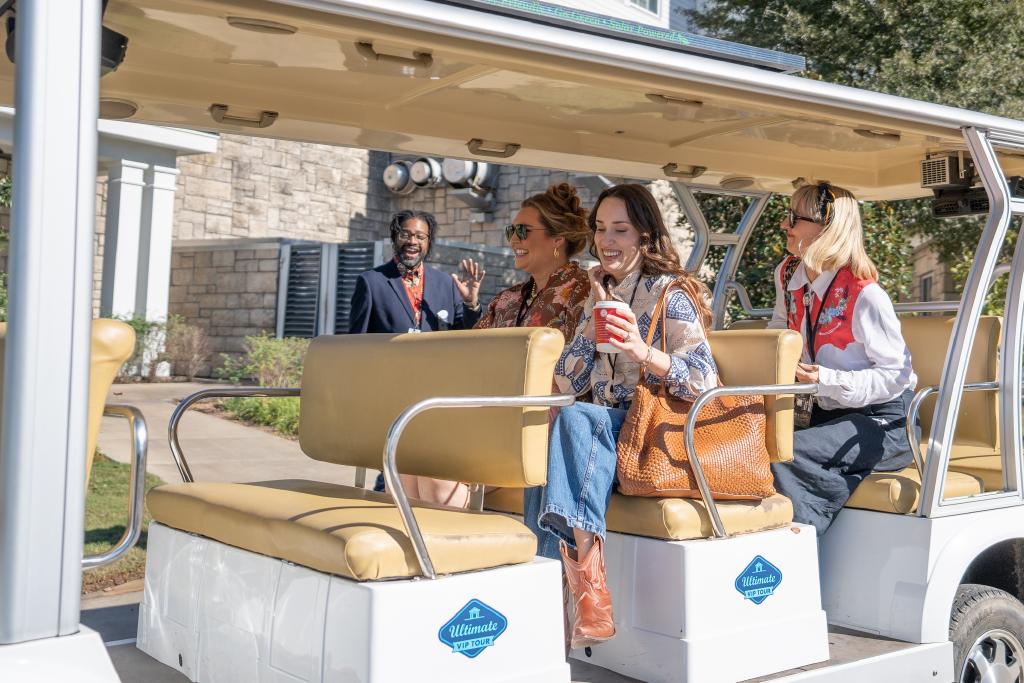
[
  {"x": 473, "y": 629},
  {"x": 758, "y": 580}
]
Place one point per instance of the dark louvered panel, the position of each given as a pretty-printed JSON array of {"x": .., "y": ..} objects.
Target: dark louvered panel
[
  {"x": 353, "y": 259},
  {"x": 302, "y": 303}
]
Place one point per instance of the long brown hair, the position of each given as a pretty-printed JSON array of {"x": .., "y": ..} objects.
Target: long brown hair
[
  {"x": 563, "y": 215},
  {"x": 659, "y": 256}
]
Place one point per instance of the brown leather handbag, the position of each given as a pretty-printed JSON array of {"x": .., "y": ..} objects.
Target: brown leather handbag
[{"x": 729, "y": 437}]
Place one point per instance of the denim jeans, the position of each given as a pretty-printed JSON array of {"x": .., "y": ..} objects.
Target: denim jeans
[{"x": 581, "y": 474}]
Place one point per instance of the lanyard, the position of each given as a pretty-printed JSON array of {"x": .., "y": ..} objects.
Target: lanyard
[
  {"x": 527, "y": 302},
  {"x": 812, "y": 330}
]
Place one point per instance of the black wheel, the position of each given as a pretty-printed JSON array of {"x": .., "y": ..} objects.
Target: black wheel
[{"x": 987, "y": 630}]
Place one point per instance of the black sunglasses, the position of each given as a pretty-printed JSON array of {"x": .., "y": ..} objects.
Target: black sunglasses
[
  {"x": 520, "y": 230},
  {"x": 826, "y": 201}
]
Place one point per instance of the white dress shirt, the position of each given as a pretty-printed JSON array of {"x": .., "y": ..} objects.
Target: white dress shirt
[{"x": 875, "y": 367}]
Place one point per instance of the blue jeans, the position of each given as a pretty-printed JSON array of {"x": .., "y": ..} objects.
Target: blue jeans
[{"x": 581, "y": 474}]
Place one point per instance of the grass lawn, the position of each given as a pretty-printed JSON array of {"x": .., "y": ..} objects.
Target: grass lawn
[{"x": 106, "y": 514}]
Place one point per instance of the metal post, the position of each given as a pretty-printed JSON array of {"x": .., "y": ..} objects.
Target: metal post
[
  {"x": 42, "y": 449},
  {"x": 954, "y": 371},
  {"x": 733, "y": 254},
  {"x": 691, "y": 209}
]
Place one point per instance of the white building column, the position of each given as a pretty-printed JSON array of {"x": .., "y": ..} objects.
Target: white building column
[
  {"x": 153, "y": 286},
  {"x": 154, "y": 280},
  {"x": 126, "y": 186}
]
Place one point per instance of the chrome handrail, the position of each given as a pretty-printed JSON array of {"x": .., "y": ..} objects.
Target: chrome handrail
[
  {"x": 137, "y": 490},
  {"x": 912, "y": 416},
  {"x": 188, "y": 401},
  {"x": 393, "y": 482},
  {"x": 691, "y": 423}
]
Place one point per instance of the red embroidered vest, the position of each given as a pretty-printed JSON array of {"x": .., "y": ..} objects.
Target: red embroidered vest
[{"x": 835, "y": 324}]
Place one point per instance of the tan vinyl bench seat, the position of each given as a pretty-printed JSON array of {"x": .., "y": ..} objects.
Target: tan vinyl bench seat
[
  {"x": 339, "y": 530},
  {"x": 900, "y": 492},
  {"x": 743, "y": 357},
  {"x": 975, "y": 465},
  {"x": 673, "y": 519},
  {"x": 347, "y": 405}
]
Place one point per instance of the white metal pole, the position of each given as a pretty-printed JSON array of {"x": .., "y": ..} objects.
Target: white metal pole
[{"x": 42, "y": 448}]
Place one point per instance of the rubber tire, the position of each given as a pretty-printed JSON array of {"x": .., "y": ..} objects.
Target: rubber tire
[{"x": 977, "y": 609}]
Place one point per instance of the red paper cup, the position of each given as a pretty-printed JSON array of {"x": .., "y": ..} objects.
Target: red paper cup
[{"x": 602, "y": 310}]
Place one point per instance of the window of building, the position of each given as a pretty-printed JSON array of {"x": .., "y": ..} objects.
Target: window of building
[
  {"x": 926, "y": 288},
  {"x": 649, "y": 5}
]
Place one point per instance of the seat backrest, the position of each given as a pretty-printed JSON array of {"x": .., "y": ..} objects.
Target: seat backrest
[
  {"x": 757, "y": 356},
  {"x": 927, "y": 338},
  {"x": 749, "y": 324},
  {"x": 112, "y": 344},
  {"x": 355, "y": 386}
]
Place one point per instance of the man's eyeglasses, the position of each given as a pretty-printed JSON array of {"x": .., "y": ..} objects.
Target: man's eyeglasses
[
  {"x": 406, "y": 236},
  {"x": 520, "y": 230}
]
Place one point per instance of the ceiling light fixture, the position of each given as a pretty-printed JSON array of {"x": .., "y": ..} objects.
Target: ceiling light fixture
[{"x": 111, "y": 108}]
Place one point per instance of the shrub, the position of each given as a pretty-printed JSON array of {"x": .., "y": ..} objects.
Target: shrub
[
  {"x": 187, "y": 347},
  {"x": 149, "y": 336},
  {"x": 282, "y": 414},
  {"x": 270, "y": 361}
]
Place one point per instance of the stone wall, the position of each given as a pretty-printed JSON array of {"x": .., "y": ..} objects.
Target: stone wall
[
  {"x": 258, "y": 187},
  {"x": 228, "y": 288}
]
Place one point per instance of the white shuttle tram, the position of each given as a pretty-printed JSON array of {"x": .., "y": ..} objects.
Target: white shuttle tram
[{"x": 920, "y": 579}]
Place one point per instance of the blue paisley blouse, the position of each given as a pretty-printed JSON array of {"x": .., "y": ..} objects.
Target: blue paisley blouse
[{"x": 613, "y": 377}]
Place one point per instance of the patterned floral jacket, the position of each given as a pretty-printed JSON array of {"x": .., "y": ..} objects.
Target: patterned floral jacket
[
  {"x": 559, "y": 305},
  {"x": 613, "y": 377}
]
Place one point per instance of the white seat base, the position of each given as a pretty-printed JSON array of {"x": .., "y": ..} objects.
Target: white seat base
[
  {"x": 679, "y": 616},
  {"x": 77, "y": 657},
  {"x": 217, "y": 613}
]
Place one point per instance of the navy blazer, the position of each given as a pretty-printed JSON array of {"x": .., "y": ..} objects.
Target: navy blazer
[{"x": 380, "y": 303}]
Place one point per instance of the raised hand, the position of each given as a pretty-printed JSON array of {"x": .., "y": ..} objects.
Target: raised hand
[{"x": 468, "y": 281}]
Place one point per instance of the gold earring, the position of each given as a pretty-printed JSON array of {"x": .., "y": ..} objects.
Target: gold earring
[{"x": 556, "y": 252}]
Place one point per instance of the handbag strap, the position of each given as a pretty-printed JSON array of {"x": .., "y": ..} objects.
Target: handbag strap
[{"x": 688, "y": 286}]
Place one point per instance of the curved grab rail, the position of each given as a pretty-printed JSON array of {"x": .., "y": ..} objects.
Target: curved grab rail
[
  {"x": 188, "y": 401},
  {"x": 394, "y": 483},
  {"x": 691, "y": 423},
  {"x": 136, "y": 494},
  {"x": 912, "y": 415}
]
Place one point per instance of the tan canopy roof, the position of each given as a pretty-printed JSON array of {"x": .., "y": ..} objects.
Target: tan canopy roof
[{"x": 425, "y": 77}]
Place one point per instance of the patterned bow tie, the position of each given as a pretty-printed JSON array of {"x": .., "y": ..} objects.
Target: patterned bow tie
[{"x": 411, "y": 276}]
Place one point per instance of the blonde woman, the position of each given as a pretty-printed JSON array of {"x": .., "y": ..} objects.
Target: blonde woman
[{"x": 853, "y": 349}]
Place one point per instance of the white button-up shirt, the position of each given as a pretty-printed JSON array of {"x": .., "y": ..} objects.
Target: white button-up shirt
[{"x": 875, "y": 367}]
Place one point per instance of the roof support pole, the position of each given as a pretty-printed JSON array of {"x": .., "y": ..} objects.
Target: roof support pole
[
  {"x": 733, "y": 254},
  {"x": 46, "y": 369},
  {"x": 954, "y": 371}
]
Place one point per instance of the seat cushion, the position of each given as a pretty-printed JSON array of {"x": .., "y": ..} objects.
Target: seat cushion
[
  {"x": 340, "y": 530},
  {"x": 987, "y": 468},
  {"x": 676, "y": 519},
  {"x": 900, "y": 492}
]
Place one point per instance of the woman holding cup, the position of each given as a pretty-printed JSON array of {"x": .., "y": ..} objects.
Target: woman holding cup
[{"x": 607, "y": 355}]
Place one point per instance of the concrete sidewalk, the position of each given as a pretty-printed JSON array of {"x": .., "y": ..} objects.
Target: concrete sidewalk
[{"x": 217, "y": 449}]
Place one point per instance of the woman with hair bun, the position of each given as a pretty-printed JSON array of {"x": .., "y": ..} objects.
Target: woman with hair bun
[
  {"x": 549, "y": 229},
  {"x": 853, "y": 350}
]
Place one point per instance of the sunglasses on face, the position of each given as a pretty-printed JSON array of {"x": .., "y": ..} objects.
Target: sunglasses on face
[
  {"x": 520, "y": 230},
  {"x": 826, "y": 201}
]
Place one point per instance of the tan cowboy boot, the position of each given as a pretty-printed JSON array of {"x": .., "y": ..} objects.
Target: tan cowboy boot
[{"x": 592, "y": 621}]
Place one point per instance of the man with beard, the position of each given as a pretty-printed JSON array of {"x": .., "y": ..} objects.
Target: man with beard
[{"x": 405, "y": 294}]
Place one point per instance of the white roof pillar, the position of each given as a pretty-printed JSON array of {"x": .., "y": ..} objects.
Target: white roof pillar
[{"x": 153, "y": 290}]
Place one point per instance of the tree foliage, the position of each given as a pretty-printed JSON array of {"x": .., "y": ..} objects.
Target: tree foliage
[{"x": 965, "y": 53}]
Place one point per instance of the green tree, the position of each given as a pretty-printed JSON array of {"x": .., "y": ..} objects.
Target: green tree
[{"x": 965, "y": 54}]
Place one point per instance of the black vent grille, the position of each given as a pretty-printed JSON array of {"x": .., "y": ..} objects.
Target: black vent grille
[
  {"x": 302, "y": 299},
  {"x": 353, "y": 259}
]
